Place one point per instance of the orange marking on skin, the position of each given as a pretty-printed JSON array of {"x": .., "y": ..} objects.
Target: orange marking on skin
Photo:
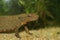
[
  {"x": 23, "y": 23},
  {"x": 0, "y": 30}
]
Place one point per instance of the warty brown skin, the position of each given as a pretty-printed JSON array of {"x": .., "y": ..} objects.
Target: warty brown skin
[{"x": 14, "y": 22}]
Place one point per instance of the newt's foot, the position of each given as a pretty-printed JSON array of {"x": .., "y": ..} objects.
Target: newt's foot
[
  {"x": 30, "y": 33},
  {"x": 17, "y": 35}
]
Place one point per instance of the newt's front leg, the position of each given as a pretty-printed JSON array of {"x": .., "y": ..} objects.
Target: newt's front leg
[{"x": 27, "y": 30}]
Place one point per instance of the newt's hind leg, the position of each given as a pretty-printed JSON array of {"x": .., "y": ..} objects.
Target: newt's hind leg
[{"x": 17, "y": 33}]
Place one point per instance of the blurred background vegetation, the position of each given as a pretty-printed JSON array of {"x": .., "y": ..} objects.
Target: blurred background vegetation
[{"x": 48, "y": 10}]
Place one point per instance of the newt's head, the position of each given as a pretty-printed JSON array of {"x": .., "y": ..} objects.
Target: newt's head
[
  {"x": 28, "y": 17},
  {"x": 32, "y": 17}
]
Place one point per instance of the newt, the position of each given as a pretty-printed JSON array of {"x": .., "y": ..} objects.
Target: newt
[{"x": 14, "y": 22}]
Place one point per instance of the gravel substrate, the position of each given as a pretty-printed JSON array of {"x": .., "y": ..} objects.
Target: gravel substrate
[{"x": 42, "y": 34}]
